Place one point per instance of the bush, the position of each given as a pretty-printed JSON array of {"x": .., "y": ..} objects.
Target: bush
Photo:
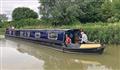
[
  {"x": 113, "y": 19},
  {"x": 23, "y": 13},
  {"x": 107, "y": 35},
  {"x": 23, "y": 23},
  {"x": 0, "y": 25},
  {"x": 26, "y": 22},
  {"x": 2, "y": 31}
]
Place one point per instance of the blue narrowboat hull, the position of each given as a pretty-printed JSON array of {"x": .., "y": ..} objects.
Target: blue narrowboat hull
[{"x": 53, "y": 37}]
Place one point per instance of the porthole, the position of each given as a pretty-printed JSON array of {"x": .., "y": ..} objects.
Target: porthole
[
  {"x": 37, "y": 35},
  {"x": 52, "y": 35}
]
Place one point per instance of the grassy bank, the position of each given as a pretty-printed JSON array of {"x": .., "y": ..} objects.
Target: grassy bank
[
  {"x": 2, "y": 31},
  {"x": 108, "y": 33}
]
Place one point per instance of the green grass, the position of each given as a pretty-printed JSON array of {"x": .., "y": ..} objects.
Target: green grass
[
  {"x": 108, "y": 33},
  {"x": 2, "y": 31},
  {"x": 73, "y": 26}
]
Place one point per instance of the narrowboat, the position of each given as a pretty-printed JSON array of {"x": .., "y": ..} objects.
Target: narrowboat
[{"x": 57, "y": 37}]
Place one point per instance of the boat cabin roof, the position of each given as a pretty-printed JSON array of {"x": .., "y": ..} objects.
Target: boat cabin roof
[{"x": 48, "y": 29}]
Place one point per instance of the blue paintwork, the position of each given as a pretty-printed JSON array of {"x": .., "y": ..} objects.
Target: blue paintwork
[
  {"x": 44, "y": 35},
  {"x": 56, "y": 37}
]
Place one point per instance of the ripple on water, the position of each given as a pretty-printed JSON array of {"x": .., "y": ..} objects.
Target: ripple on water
[
  {"x": 12, "y": 59},
  {"x": 22, "y": 55}
]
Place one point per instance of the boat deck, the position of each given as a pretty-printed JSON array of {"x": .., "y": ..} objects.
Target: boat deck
[{"x": 85, "y": 46}]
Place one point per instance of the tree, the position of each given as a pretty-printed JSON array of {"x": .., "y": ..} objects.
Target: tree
[
  {"x": 60, "y": 11},
  {"x": 91, "y": 10},
  {"x": 3, "y": 18},
  {"x": 106, "y": 11},
  {"x": 116, "y": 8},
  {"x": 67, "y": 11},
  {"x": 64, "y": 12},
  {"x": 23, "y": 13},
  {"x": 46, "y": 7}
]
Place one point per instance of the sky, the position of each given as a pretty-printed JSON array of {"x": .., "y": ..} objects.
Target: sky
[{"x": 7, "y": 6}]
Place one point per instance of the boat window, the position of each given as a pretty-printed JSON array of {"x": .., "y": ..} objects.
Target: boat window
[
  {"x": 77, "y": 36},
  {"x": 70, "y": 33},
  {"x": 52, "y": 35},
  {"x": 74, "y": 35},
  {"x": 37, "y": 35}
]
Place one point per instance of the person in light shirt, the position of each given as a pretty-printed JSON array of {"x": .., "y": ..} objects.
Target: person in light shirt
[{"x": 84, "y": 38}]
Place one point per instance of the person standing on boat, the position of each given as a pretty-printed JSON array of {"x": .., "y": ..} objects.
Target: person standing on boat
[
  {"x": 84, "y": 38},
  {"x": 68, "y": 40}
]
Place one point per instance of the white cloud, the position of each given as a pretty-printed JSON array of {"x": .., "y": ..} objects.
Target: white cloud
[{"x": 7, "y": 6}]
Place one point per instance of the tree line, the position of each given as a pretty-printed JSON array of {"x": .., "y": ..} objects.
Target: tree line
[
  {"x": 68, "y": 11},
  {"x": 62, "y": 12}
]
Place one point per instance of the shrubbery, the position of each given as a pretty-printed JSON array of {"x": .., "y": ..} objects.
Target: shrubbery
[
  {"x": 23, "y": 22},
  {"x": 85, "y": 11},
  {"x": 2, "y": 31},
  {"x": 23, "y": 13},
  {"x": 26, "y": 22},
  {"x": 110, "y": 34}
]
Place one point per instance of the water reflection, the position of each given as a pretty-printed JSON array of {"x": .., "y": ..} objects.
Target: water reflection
[
  {"x": 50, "y": 59},
  {"x": 12, "y": 59}
]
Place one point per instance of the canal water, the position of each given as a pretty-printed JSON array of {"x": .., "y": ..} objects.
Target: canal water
[{"x": 18, "y": 54}]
